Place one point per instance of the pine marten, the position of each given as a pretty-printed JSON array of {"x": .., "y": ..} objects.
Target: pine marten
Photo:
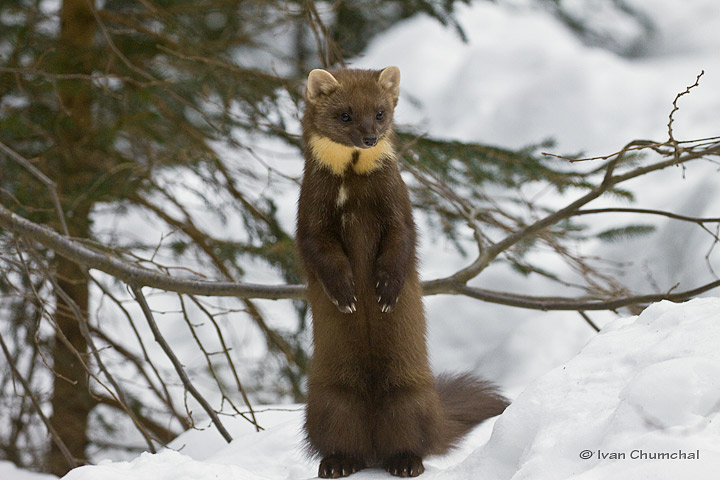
[{"x": 372, "y": 399}]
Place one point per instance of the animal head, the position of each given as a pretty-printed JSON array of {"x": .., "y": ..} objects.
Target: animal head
[{"x": 352, "y": 107}]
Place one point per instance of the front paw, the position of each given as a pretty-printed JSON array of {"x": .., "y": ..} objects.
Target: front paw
[
  {"x": 336, "y": 466},
  {"x": 342, "y": 295},
  {"x": 404, "y": 465},
  {"x": 388, "y": 289}
]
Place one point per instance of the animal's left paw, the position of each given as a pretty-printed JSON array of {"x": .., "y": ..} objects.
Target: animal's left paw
[
  {"x": 404, "y": 465},
  {"x": 388, "y": 289},
  {"x": 336, "y": 466}
]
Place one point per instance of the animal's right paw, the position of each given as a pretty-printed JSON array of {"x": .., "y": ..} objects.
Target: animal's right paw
[
  {"x": 404, "y": 465},
  {"x": 336, "y": 466},
  {"x": 342, "y": 294}
]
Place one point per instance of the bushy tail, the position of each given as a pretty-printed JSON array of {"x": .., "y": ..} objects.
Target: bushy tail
[{"x": 467, "y": 401}]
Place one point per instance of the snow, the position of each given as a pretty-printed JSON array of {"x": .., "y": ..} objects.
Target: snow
[
  {"x": 648, "y": 383},
  {"x": 523, "y": 77},
  {"x": 11, "y": 472},
  {"x": 644, "y": 386}
]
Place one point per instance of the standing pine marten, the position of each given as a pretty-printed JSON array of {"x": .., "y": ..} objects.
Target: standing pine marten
[{"x": 372, "y": 399}]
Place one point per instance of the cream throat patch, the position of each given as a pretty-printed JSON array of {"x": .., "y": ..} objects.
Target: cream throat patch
[{"x": 337, "y": 156}]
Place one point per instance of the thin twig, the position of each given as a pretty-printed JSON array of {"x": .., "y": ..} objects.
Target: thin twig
[
  {"x": 51, "y": 186},
  {"x": 140, "y": 298},
  {"x": 165, "y": 397},
  {"x": 675, "y": 108},
  {"x": 630, "y": 147},
  {"x": 327, "y": 49},
  {"x": 226, "y": 352},
  {"x": 211, "y": 366},
  {"x": 589, "y": 321},
  {"x": 675, "y": 216},
  {"x": 119, "y": 394},
  {"x": 28, "y": 391}
]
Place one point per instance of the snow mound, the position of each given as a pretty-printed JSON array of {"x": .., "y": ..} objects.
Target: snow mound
[{"x": 641, "y": 400}]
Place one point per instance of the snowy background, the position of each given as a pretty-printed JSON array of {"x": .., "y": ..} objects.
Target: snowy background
[{"x": 649, "y": 383}]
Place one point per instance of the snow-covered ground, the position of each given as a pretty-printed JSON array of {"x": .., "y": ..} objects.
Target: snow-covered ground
[
  {"x": 11, "y": 472},
  {"x": 640, "y": 400},
  {"x": 643, "y": 384}
]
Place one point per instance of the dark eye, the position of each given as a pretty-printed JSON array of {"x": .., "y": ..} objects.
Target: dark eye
[
  {"x": 345, "y": 117},
  {"x": 380, "y": 115}
]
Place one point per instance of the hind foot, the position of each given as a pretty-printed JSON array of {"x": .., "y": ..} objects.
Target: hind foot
[
  {"x": 336, "y": 466},
  {"x": 404, "y": 465}
]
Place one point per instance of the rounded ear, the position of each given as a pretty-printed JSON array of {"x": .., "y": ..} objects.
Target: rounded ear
[
  {"x": 320, "y": 82},
  {"x": 390, "y": 80}
]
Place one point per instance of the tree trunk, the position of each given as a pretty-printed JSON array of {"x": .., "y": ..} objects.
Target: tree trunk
[{"x": 71, "y": 400}]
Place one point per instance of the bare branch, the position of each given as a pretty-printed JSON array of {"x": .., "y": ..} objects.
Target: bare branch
[
  {"x": 134, "y": 275},
  {"x": 648, "y": 211},
  {"x": 491, "y": 252},
  {"x": 211, "y": 367},
  {"x": 226, "y": 352},
  {"x": 29, "y": 392},
  {"x": 671, "y": 138},
  {"x": 328, "y": 50},
  {"x": 165, "y": 397},
  {"x": 137, "y": 290},
  {"x": 630, "y": 147},
  {"x": 52, "y": 188},
  {"x": 589, "y": 321},
  {"x": 119, "y": 394},
  {"x": 579, "y": 304}
]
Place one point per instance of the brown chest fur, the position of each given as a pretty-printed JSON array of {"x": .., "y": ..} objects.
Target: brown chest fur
[{"x": 360, "y": 212}]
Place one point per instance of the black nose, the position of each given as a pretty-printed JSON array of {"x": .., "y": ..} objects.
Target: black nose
[{"x": 370, "y": 141}]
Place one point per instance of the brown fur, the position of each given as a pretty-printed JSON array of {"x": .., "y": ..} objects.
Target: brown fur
[{"x": 372, "y": 398}]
